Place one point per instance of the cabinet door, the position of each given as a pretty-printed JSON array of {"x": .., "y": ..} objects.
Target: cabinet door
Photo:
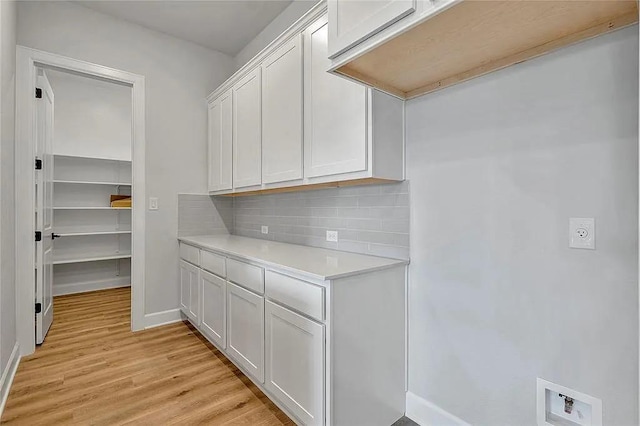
[
  {"x": 245, "y": 329},
  {"x": 295, "y": 362},
  {"x": 247, "y": 131},
  {"x": 220, "y": 143},
  {"x": 214, "y": 302},
  {"x": 194, "y": 293},
  {"x": 189, "y": 294},
  {"x": 335, "y": 127},
  {"x": 282, "y": 113},
  {"x": 351, "y": 22}
]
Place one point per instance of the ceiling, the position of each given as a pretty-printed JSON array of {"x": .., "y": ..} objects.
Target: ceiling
[{"x": 225, "y": 26}]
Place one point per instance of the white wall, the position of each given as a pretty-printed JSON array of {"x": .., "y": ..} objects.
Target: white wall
[
  {"x": 497, "y": 166},
  {"x": 291, "y": 14},
  {"x": 7, "y": 218},
  {"x": 92, "y": 117},
  {"x": 179, "y": 75}
]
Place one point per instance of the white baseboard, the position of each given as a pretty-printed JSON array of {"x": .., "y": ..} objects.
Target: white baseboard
[
  {"x": 162, "y": 318},
  {"x": 8, "y": 374},
  {"x": 426, "y": 413},
  {"x": 73, "y": 288}
]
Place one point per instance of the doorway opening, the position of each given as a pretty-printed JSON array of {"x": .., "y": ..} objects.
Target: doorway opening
[
  {"x": 83, "y": 188},
  {"x": 82, "y": 126}
]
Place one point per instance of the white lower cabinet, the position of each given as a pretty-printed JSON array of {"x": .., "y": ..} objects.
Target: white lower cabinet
[
  {"x": 245, "y": 329},
  {"x": 190, "y": 291},
  {"x": 295, "y": 362},
  {"x": 214, "y": 303},
  {"x": 312, "y": 345}
]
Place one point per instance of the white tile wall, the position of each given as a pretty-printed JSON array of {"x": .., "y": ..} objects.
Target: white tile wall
[
  {"x": 369, "y": 219},
  {"x": 202, "y": 215}
]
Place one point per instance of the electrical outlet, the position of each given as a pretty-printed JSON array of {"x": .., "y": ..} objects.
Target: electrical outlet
[
  {"x": 265, "y": 229},
  {"x": 582, "y": 233},
  {"x": 153, "y": 203},
  {"x": 332, "y": 236}
]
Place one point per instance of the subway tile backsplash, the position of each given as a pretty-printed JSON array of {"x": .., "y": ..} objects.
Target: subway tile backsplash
[
  {"x": 369, "y": 219},
  {"x": 199, "y": 214}
]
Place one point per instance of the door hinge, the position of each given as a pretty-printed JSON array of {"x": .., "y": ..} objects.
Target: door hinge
[
  {"x": 38, "y": 236},
  {"x": 38, "y": 164},
  {"x": 38, "y": 93},
  {"x": 38, "y": 308}
]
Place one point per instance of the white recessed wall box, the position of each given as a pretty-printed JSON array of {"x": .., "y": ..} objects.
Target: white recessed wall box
[{"x": 560, "y": 406}]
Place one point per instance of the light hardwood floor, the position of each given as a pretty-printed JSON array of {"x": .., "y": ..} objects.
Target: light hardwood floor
[{"x": 93, "y": 370}]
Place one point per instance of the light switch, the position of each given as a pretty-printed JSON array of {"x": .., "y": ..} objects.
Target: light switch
[
  {"x": 153, "y": 203},
  {"x": 582, "y": 233},
  {"x": 265, "y": 229}
]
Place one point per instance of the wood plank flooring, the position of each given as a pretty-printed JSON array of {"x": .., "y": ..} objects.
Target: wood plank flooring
[{"x": 93, "y": 370}]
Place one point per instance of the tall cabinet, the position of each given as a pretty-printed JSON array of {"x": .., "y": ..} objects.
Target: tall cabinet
[
  {"x": 220, "y": 143},
  {"x": 247, "y": 131},
  {"x": 335, "y": 131},
  {"x": 282, "y": 100},
  {"x": 297, "y": 126},
  {"x": 92, "y": 240}
]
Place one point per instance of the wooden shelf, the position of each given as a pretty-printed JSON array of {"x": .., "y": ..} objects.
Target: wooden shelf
[
  {"x": 92, "y": 208},
  {"x": 473, "y": 38},
  {"x": 91, "y": 183},
  {"x": 63, "y": 261},
  {"x": 88, "y": 233}
]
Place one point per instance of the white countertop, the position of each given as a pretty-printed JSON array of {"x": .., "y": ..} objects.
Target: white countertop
[{"x": 317, "y": 263}]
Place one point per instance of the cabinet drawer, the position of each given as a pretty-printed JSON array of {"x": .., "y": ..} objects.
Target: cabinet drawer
[
  {"x": 248, "y": 276},
  {"x": 190, "y": 253},
  {"x": 299, "y": 295},
  {"x": 213, "y": 263}
]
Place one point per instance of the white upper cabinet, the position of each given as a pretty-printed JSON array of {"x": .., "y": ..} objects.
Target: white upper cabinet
[
  {"x": 408, "y": 48},
  {"x": 354, "y": 20},
  {"x": 294, "y": 125},
  {"x": 282, "y": 113},
  {"x": 335, "y": 113},
  {"x": 247, "y": 131},
  {"x": 220, "y": 143}
]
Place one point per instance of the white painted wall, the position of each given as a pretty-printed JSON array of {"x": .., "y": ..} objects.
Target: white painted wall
[
  {"x": 92, "y": 117},
  {"x": 497, "y": 166},
  {"x": 178, "y": 76},
  {"x": 7, "y": 218},
  {"x": 291, "y": 14}
]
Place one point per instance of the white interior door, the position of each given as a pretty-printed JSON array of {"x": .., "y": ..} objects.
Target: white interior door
[{"x": 44, "y": 206}]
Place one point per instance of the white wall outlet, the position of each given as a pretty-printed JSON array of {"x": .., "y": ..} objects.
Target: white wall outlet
[
  {"x": 265, "y": 229},
  {"x": 153, "y": 203},
  {"x": 332, "y": 236},
  {"x": 582, "y": 233},
  {"x": 560, "y": 406}
]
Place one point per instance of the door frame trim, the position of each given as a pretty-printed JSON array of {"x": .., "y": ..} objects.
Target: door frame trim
[{"x": 27, "y": 60}]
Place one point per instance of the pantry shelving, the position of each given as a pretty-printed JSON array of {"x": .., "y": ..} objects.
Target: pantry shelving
[
  {"x": 80, "y": 182},
  {"x": 93, "y": 239},
  {"x": 63, "y": 261},
  {"x": 84, "y": 234},
  {"x": 90, "y": 208}
]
